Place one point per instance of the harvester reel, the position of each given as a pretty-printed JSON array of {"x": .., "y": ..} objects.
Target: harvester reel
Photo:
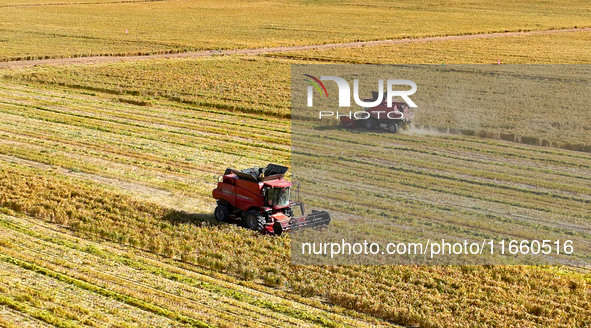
[{"x": 293, "y": 223}]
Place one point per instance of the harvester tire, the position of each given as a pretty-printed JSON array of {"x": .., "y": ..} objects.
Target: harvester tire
[
  {"x": 253, "y": 220},
  {"x": 222, "y": 213},
  {"x": 370, "y": 124},
  {"x": 393, "y": 127}
]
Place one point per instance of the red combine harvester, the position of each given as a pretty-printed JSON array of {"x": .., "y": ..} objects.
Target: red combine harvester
[
  {"x": 260, "y": 199},
  {"x": 392, "y": 118}
]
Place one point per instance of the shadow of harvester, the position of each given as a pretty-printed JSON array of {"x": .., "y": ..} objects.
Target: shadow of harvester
[
  {"x": 176, "y": 217},
  {"x": 182, "y": 217}
]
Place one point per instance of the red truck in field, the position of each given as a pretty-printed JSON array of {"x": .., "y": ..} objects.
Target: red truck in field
[{"x": 394, "y": 118}]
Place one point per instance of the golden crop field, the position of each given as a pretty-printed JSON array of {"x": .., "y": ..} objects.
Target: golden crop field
[
  {"x": 63, "y": 135},
  {"x": 106, "y": 170},
  {"x": 555, "y": 48},
  {"x": 99, "y": 28}
]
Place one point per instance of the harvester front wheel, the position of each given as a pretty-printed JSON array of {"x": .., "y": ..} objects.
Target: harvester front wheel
[
  {"x": 393, "y": 127},
  {"x": 253, "y": 220},
  {"x": 222, "y": 213},
  {"x": 370, "y": 123}
]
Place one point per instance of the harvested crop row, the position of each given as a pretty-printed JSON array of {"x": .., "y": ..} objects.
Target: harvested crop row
[
  {"x": 452, "y": 161},
  {"x": 521, "y": 126},
  {"x": 180, "y": 286},
  {"x": 373, "y": 176},
  {"x": 41, "y": 294},
  {"x": 251, "y": 86},
  {"x": 109, "y": 109},
  {"x": 177, "y": 160},
  {"x": 11, "y": 318}
]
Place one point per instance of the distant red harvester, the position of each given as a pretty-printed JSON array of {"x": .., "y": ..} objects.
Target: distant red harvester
[
  {"x": 381, "y": 116},
  {"x": 260, "y": 199}
]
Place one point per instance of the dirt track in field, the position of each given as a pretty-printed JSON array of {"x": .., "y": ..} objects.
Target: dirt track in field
[{"x": 261, "y": 51}]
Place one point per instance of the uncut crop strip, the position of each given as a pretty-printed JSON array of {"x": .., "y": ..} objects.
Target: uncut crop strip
[
  {"x": 111, "y": 215},
  {"x": 392, "y": 285},
  {"x": 140, "y": 272},
  {"x": 525, "y": 48}
]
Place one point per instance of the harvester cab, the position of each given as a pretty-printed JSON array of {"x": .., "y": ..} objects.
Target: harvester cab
[{"x": 260, "y": 199}]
